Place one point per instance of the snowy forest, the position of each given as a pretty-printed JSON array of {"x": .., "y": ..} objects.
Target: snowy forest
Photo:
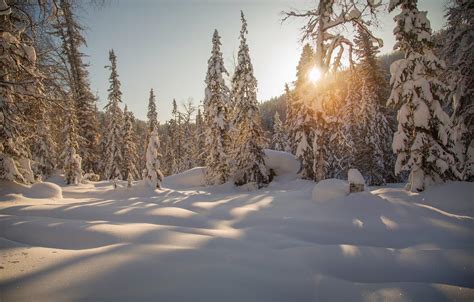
[
  {"x": 353, "y": 116},
  {"x": 414, "y": 125}
]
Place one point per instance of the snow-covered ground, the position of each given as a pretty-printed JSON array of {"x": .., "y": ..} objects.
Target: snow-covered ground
[{"x": 186, "y": 243}]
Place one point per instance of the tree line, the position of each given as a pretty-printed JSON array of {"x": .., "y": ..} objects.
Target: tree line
[{"x": 49, "y": 116}]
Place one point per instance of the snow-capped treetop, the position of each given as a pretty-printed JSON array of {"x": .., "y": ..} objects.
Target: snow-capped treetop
[
  {"x": 151, "y": 115},
  {"x": 412, "y": 30},
  {"x": 115, "y": 95},
  {"x": 244, "y": 84},
  {"x": 216, "y": 90},
  {"x": 305, "y": 63}
]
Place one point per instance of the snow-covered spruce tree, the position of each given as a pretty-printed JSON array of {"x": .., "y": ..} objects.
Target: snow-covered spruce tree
[
  {"x": 44, "y": 147},
  {"x": 216, "y": 119},
  {"x": 458, "y": 54},
  {"x": 130, "y": 156},
  {"x": 113, "y": 145},
  {"x": 153, "y": 174},
  {"x": 422, "y": 141},
  {"x": 151, "y": 115},
  {"x": 72, "y": 161},
  {"x": 70, "y": 32},
  {"x": 248, "y": 156},
  {"x": 304, "y": 66},
  {"x": 302, "y": 128},
  {"x": 189, "y": 137},
  {"x": 200, "y": 139},
  {"x": 19, "y": 86},
  {"x": 373, "y": 130},
  {"x": 165, "y": 146},
  {"x": 300, "y": 121},
  {"x": 176, "y": 140},
  {"x": 279, "y": 138},
  {"x": 332, "y": 144},
  {"x": 350, "y": 115},
  {"x": 373, "y": 153},
  {"x": 290, "y": 120}
]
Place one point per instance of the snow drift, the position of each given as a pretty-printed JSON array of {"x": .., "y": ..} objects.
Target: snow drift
[
  {"x": 221, "y": 244},
  {"x": 282, "y": 163},
  {"x": 329, "y": 189},
  {"x": 195, "y": 177},
  {"x": 43, "y": 190}
]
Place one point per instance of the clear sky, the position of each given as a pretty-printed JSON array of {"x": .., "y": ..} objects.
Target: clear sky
[{"x": 165, "y": 45}]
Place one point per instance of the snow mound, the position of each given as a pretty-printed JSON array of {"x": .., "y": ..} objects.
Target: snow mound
[
  {"x": 329, "y": 189},
  {"x": 44, "y": 190},
  {"x": 194, "y": 177},
  {"x": 354, "y": 177},
  {"x": 281, "y": 163}
]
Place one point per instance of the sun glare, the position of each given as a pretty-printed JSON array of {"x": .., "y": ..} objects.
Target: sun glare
[{"x": 314, "y": 75}]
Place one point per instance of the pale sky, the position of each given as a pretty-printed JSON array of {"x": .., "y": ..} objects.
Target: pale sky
[{"x": 165, "y": 45}]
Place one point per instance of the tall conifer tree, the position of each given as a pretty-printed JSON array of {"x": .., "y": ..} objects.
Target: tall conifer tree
[
  {"x": 248, "y": 157},
  {"x": 422, "y": 141},
  {"x": 113, "y": 145},
  {"x": 216, "y": 117}
]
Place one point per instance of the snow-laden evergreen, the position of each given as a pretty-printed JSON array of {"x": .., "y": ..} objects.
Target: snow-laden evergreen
[
  {"x": 153, "y": 174},
  {"x": 201, "y": 153},
  {"x": 302, "y": 133},
  {"x": 19, "y": 86},
  {"x": 130, "y": 157},
  {"x": 292, "y": 122},
  {"x": 70, "y": 32},
  {"x": 373, "y": 130},
  {"x": 280, "y": 137},
  {"x": 44, "y": 147},
  {"x": 113, "y": 145},
  {"x": 300, "y": 118},
  {"x": 422, "y": 140},
  {"x": 189, "y": 137},
  {"x": 72, "y": 161},
  {"x": 372, "y": 146},
  {"x": 248, "y": 156},
  {"x": 152, "y": 116},
  {"x": 458, "y": 53},
  {"x": 216, "y": 117},
  {"x": 350, "y": 114},
  {"x": 177, "y": 140}
]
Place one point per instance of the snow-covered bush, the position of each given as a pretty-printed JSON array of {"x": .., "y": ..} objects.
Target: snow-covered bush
[{"x": 44, "y": 190}]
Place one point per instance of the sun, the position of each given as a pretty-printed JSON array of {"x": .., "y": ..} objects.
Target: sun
[{"x": 314, "y": 75}]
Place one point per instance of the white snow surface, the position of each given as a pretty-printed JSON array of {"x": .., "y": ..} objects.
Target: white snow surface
[
  {"x": 330, "y": 189},
  {"x": 218, "y": 243},
  {"x": 355, "y": 177}
]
